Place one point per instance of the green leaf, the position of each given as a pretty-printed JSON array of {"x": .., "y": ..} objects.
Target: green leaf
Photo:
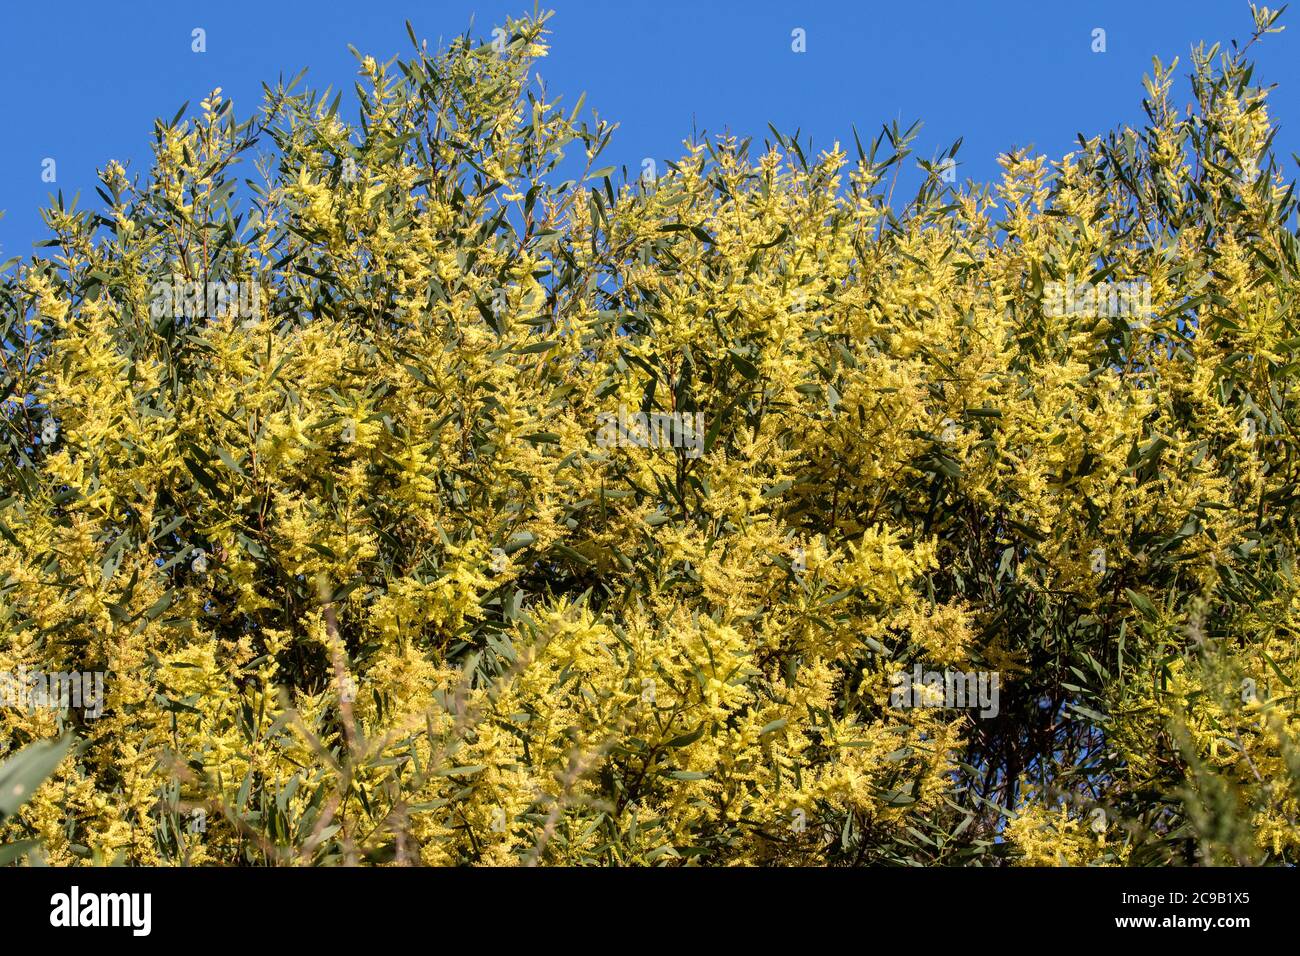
[
  {"x": 686, "y": 739},
  {"x": 896, "y": 798},
  {"x": 228, "y": 461},
  {"x": 26, "y": 770},
  {"x": 9, "y": 852},
  {"x": 743, "y": 365},
  {"x": 160, "y": 605},
  {"x": 1141, "y": 603},
  {"x": 459, "y": 771},
  {"x": 202, "y": 477},
  {"x": 538, "y": 347}
]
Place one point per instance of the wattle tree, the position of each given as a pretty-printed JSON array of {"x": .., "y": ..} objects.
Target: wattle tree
[{"x": 425, "y": 493}]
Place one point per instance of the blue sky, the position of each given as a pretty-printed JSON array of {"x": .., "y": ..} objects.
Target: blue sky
[{"x": 83, "y": 81}]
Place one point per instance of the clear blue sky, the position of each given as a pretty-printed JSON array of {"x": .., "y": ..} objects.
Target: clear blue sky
[{"x": 83, "y": 81}]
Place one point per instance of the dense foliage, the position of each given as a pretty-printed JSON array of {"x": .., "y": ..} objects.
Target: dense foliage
[{"x": 368, "y": 584}]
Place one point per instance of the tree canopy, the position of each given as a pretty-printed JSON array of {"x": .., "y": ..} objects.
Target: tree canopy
[{"x": 428, "y": 494}]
